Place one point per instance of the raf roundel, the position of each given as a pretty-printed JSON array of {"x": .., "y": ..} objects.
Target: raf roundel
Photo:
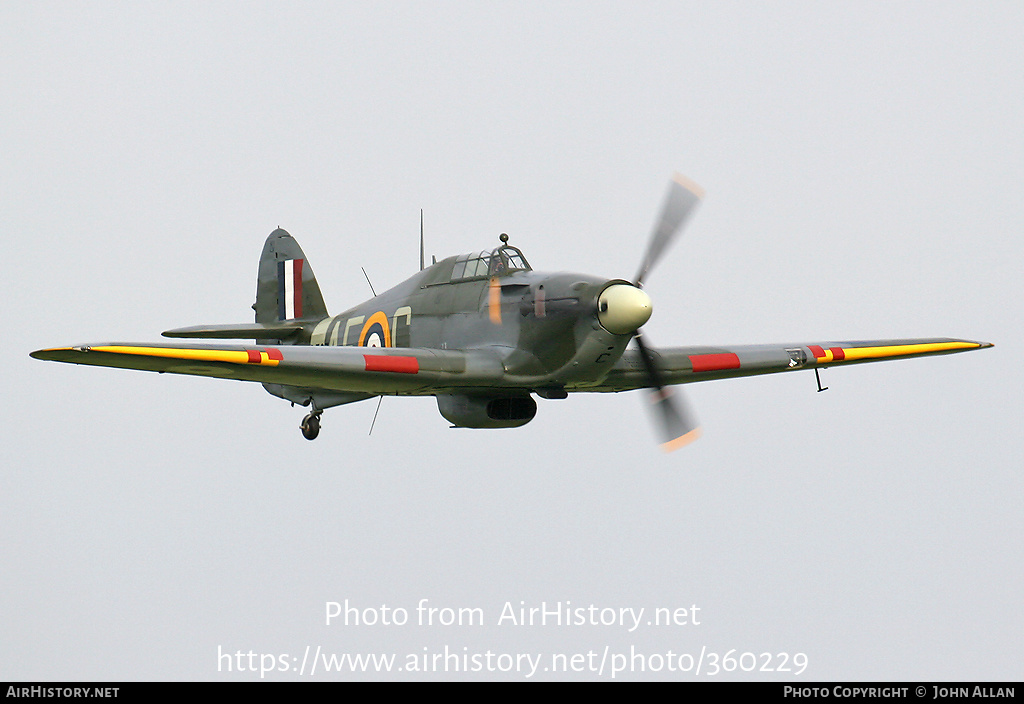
[{"x": 376, "y": 332}]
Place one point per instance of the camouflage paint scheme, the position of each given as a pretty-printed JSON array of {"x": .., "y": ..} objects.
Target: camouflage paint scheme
[{"x": 480, "y": 332}]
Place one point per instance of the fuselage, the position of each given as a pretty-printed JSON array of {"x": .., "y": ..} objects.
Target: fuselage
[{"x": 543, "y": 326}]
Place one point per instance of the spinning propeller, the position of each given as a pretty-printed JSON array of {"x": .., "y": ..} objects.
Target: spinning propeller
[{"x": 623, "y": 308}]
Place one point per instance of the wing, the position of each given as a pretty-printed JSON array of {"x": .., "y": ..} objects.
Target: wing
[
  {"x": 371, "y": 370},
  {"x": 417, "y": 371},
  {"x": 682, "y": 365}
]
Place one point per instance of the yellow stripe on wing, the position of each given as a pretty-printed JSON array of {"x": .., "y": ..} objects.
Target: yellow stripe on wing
[
  {"x": 900, "y": 350},
  {"x": 199, "y": 355}
]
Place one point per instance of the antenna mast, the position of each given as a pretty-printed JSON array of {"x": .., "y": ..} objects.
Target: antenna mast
[{"x": 421, "y": 239}]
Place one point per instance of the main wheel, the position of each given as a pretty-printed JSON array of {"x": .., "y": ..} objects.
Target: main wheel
[{"x": 310, "y": 426}]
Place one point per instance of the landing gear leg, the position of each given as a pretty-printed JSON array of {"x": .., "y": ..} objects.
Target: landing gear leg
[{"x": 311, "y": 423}]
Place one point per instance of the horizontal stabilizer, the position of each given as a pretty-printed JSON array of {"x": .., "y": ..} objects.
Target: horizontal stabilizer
[{"x": 242, "y": 331}]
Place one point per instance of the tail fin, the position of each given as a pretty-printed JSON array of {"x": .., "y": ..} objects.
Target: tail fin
[{"x": 286, "y": 288}]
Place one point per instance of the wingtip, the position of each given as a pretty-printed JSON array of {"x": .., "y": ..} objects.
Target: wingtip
[{"x": 47, "y": 354}]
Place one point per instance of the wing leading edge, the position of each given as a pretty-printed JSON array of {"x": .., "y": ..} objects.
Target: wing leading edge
[{"x": 682, "y": 365}]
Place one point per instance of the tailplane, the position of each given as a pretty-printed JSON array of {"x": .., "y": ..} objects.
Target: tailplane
[{"x": 286, "y": 288}]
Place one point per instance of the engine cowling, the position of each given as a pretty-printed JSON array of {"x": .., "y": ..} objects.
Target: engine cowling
[{"x": 487, "y": 411}]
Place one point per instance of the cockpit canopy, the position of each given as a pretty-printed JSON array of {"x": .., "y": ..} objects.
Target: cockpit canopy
[{"x": 498, "y": 262}]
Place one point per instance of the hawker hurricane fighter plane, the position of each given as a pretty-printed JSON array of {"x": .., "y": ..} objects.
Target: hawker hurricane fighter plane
[{"x": 483, "y": 333}]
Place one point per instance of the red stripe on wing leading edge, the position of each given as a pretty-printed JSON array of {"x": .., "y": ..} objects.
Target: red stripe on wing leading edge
[
  {"x": 714, "y": 362},
  {"x": 386, "y": 363}
]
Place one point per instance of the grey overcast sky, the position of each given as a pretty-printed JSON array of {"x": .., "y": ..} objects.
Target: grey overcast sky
[{"x": 863, "y": 162}]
